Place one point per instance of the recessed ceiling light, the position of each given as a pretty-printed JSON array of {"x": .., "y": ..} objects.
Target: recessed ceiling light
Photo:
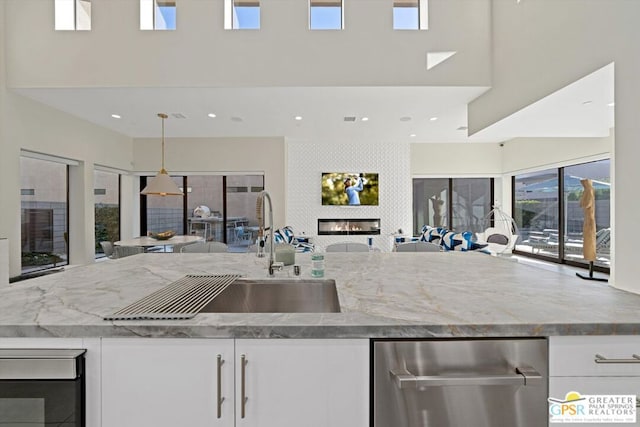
[
  {"x": 116, "y": 116},
  {"x": 405, "y": 119},
  {"x": 433, "y": 119},
  {"x": 213, "y": 116},
  {"x": 611, "y": 104},
  {"x": 365, "y": 119},
  {"x": 463, "y": 128},
  {"x": 587, "y": 102},
  {"x": 236, "y": 119},
  {"x": 298, "y": 118},
  {"x": 413, "y": 135}
]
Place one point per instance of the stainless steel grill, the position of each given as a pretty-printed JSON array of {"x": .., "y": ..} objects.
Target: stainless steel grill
[{"x": 182, "y": 299}]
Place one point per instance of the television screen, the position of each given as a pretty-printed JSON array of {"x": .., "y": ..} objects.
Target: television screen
[{"x": 350, "y": 188}]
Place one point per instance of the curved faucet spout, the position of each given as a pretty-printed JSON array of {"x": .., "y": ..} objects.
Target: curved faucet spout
[{"x": 261, "y": 210}]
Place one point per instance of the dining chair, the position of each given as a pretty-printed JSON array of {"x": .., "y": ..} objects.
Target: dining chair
[
  {"x": 204, "y": 247},
  {"x": 418, "y": 247},
  {"x": 107, "y": 248},
  {"x": 347, "y": 247},
  {"x": 125, "y": 251}
]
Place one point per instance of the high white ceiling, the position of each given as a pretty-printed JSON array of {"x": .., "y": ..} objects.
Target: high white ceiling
[{"x": 394, "y": 113}]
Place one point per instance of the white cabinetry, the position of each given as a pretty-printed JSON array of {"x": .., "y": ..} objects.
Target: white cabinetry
[
  {"x": 573, "y": 367},
  {"x": 311, "y": 383},
  {"x": 170, "y": 382},
  {"x": 166, "y": 382}
]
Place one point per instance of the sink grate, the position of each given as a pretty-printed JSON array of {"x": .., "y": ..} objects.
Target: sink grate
[{"x": 181, "y": 299}]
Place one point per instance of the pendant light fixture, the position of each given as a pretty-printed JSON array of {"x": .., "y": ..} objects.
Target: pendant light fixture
[{"x": 162, "y": 184}]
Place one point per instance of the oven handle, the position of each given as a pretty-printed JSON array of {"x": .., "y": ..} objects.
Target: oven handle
[{"x": 520, "y": 377}]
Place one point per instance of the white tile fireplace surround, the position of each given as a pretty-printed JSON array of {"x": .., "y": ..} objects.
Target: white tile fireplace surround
[
  {"x": 348, "y": 226},
  {"x": 307, "y": 160}
]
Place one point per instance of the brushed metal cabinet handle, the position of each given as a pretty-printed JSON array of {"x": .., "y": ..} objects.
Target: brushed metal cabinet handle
[
  {"x": 601, "y": 359},
  {"x": 520, "y": 377},
  {"x": 220, "y": 398},
  {"x": 243, "y": 385}
]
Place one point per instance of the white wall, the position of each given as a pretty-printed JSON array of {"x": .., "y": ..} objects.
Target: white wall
[
  {"x": 233, "y": 155},
  {"x": 35, "y": 127},
  {"x": 456, "y": 160},
  {"x": 524, "y": 154},
  {"x": 282, "y": 53},
  {"x": 306, "y": 162},
  {"x": 541, "y": 46}
]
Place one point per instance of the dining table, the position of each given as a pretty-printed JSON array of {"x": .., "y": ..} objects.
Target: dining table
[{"x": 147, "y": 242}]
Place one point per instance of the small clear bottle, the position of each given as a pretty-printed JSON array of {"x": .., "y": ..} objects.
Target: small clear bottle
[{"x": 317, "y": 265}]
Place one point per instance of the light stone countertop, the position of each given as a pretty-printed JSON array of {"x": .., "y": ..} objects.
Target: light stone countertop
[{"x": 381, "y": 295}]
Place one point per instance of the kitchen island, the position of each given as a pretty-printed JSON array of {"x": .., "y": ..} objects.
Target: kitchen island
[{"x": 381, "y": 295}]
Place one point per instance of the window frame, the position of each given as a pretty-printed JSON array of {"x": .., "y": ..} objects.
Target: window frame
[
  {"x": 148, "y": 18},
  {"x": 422, "y": 7},
  {"x": 449, "y": 209},
  {"x": 77, "y": 22},
  {"x": 560, "y": 258},
  {"x": 230, "y": 13},
  {"x": 326, "y": 3}
]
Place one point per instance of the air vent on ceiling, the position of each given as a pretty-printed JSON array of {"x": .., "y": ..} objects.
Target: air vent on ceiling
[
  {"x": 178, "y": 116},
  {"x": 349, "y": 119}
]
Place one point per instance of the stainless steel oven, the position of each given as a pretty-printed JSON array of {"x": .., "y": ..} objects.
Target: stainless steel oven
[
  {"x": 42, "y": 387},
  {"x": 460, "y": 383}
]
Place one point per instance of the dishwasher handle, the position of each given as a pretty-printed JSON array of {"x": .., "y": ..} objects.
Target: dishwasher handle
[{"x": 520, "y": 377}]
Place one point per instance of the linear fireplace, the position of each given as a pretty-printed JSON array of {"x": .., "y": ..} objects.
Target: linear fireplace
[{"x": 350, "y": 226}]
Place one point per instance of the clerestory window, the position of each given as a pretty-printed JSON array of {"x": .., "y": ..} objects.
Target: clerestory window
[
  {"x": 326, "y": 15},
  {"x": 72, "y": 15},
  {"x": 242, "y": 14},
  {"x": 157, "y": 15},
  {"x": 410, "y": 14}
]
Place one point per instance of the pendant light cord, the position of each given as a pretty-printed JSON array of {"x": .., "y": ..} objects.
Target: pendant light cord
[{"x": 162, "y": 116}]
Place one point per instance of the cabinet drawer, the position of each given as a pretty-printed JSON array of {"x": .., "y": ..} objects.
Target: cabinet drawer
[
  {"x": 576, "y": 356},
  {"x": 559, "y": 387}
]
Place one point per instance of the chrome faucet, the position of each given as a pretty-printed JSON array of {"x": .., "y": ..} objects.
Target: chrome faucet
[{"x": 260, "y": 211}]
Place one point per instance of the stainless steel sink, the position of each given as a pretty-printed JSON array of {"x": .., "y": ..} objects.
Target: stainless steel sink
[{"x": 277, "y": 296}]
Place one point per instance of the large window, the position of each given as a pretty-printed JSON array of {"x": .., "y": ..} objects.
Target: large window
[
  {"x": 457, "y": 203},
  {"x": 242, "y": 15},
  {"x": 410, "y": 15},
  {"x": 72, "y": 15},
  {"x": 106, "y": 190},
  {"x": 216, "y": 207},
  {"x": 157, "y": 15},
  {"x": 548, "y": 212},
  {"x": 44, "y": 212},
  {"x": 325, "y": 15}
]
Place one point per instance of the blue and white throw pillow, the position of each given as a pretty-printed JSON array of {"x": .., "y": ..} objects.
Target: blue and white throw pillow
[
  {"x": 460, "y": 242},
  {"x": 433, "y": 234}
]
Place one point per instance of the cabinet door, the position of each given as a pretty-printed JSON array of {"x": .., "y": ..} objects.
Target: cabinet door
[
  {"x": 297, "y": 382},
  {"x": 166, "y": 382}
]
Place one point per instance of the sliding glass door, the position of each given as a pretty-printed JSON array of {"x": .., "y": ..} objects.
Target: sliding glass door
[
  {"x": 546, "y": 207},
  {"x": 44, "y": 212},
  {"x": 217, "y": 207},
  {"x": 457, "y": 203}
]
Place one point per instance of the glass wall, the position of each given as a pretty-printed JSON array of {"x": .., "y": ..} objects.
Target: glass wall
[
  {"x": 430, "y": 202},
  {"x": 216, "y": 207},
  {"x": 472, "y": 201},
  {"x": 44, "y": 213},
  {"x": 165, "y": 213},
  {"x": 536, "y": 211},
  {"x": 598, "y": 173},
  {"x": 548, "y": 212},
  {"x": 106, "y": 190},
  {"x": 457, "y": 203}
]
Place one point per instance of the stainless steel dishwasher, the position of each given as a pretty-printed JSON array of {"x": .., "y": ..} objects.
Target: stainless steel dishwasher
[{"x": 460, "y": 383}]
